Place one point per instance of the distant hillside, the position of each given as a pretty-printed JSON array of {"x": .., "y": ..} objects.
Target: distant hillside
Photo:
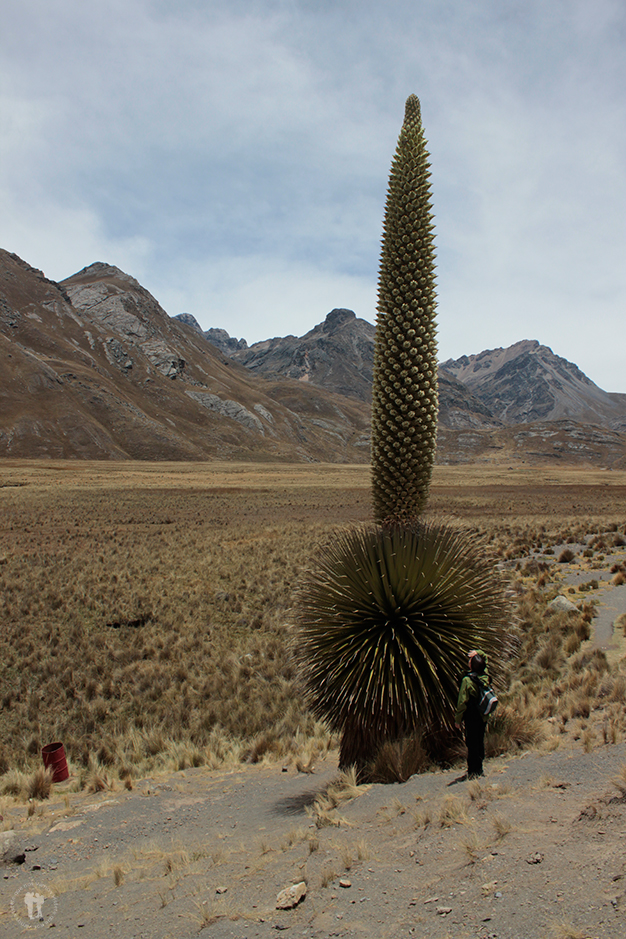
[
  {"x": 337, "y": 354},
  {"x": 521, "y": 403},
  {"x": 95, "y": 368},
  {"x": 527, "y": 382},
  {"x": 217, "y": 337}
]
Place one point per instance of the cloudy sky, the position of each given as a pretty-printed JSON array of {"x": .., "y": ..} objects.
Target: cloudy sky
[{"x": 233, "y": 157}]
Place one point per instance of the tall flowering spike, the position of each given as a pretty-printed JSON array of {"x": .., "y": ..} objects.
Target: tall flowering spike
[{"x": 404, "y": 395}]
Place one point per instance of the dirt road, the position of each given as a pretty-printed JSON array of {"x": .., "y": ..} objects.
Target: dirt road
[{"x": 538, "y": 846}]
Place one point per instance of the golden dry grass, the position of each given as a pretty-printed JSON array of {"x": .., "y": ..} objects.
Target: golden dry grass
[{"x": 145, "y": 608}]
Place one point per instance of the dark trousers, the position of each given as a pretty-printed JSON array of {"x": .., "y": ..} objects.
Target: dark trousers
[{"x": 475, "y": 740}]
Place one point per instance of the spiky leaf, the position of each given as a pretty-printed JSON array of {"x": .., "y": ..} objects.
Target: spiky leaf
[
  {"x": 386, "y": 621},
  {"x": 404, "y": 393}
]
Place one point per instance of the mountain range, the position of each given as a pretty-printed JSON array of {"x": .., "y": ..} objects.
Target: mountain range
[{"x": 93, "y": 367}]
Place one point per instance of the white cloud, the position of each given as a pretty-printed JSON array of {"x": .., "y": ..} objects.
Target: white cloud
[
  {"x": 258, "y": 298},
  {"x": 235, "y": 159},
  {"x": 60, "y": 240}
]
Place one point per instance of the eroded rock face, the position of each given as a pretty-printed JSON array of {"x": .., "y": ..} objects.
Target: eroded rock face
[
  {"x": 459, "y": 408},
  {"x": 225, "y": 343},
  {"x": 118, "y": 304},
  {"x": 189, "y": 320},
  {"x": 116, "y": 353},
  {"x": 228, "y": 408}
]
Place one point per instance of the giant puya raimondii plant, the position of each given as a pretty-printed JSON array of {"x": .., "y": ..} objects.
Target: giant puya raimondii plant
[{"x": 387, "y": 616}]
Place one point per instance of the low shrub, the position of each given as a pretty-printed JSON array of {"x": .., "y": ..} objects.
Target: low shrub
[{"x": 39, "y": 785}]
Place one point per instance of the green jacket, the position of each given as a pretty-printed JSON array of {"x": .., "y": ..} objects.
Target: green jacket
[{"x": 468, "y": 690}]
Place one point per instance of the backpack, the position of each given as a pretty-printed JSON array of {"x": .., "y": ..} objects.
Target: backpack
[{"x": 487, "y": 700}]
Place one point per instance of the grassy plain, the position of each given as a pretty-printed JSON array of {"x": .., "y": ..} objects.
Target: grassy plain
[{"x": 145, "y": 607}]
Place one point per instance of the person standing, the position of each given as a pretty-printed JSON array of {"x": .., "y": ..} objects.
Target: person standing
[{"x": 468, "y": 713}]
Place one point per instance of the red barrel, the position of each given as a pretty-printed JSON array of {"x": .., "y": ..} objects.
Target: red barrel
[{"x": 54, "y": 758}]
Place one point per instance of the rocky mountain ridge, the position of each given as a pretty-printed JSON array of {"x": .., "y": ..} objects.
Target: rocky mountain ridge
[
  {"x": 338, "y": 354},
  {"x": 523, "y": 383},
  {"x": 94, "y": 368},
  {"x": 527, "y": 382}
]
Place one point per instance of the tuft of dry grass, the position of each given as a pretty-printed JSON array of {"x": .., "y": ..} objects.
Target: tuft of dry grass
[
  {"x": 475, "y": 790},
  {"x": 14, "y": 783},
  {"x": 588, "y": 740},
  {"x": 398, "y": 760},
  {"x": 362, "y": 850},
  {"x": 501, "y": 826},
  {"x": 620, "y": 783},
  {"x": 453, "y": 811},
  {"x": 515, "y": 726},
  {"x": 346, "y": 857},
  {"x": 472, "y": 847},
  {"x": 39, "y": 785},
  {"x": 305, "y": 767},
  {"x": 293, "y": 837},
  {"x": 343, "y": 789},
  {"x": 568, "y": 931},
  {"x": 422, "y": 818},
  {"x": 210, "y": 912},
  {"x": 328, "y": 875},
  {"x": 176, "y": 860}
]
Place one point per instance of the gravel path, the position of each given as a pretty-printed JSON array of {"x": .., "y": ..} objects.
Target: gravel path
[{"x": 611, "y": 600}]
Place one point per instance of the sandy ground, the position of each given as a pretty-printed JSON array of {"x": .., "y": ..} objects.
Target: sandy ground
[{"x": 534, "y": 848}]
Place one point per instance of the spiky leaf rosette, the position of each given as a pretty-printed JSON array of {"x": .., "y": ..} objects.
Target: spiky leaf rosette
[
  {"x": 404, "y": 394},
  {"x": 385, "y": 623}
]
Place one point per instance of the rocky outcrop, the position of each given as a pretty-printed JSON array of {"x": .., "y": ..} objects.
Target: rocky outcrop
[
  {"x": 225, "y": 343},
  {"x": 228, "y": 408},
  {"x": 189, "y": 320},
  {"x": 118, "y": 304},
  {"x": 459, "y": 408},
  {"x": 338, "y": 354}
]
